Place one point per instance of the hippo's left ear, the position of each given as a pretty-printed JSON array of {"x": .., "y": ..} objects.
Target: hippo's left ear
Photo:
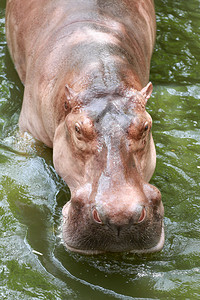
[{"x": 147, "y": 91}]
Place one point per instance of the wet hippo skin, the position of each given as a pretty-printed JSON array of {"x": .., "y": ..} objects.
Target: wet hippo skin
[{"x": 85, "y": 67}]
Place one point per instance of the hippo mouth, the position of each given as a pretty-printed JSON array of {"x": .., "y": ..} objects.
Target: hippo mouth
[
  {"x": 146, "y": 238},
  {"x": 153, "y": 249}
]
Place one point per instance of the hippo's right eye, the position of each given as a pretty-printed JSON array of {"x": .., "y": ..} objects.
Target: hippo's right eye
[
  {"x": 78, "y": 128},
  {"x": 83, "y": 129}
]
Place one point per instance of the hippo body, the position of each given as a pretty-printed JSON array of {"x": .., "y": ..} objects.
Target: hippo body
[{"x": 85, "y": 67}]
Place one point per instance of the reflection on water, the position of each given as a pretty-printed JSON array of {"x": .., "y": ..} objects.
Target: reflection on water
[{"x": 32, "y": 195}]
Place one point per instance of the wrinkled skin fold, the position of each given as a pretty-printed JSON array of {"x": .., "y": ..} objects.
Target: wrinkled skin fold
[{"x": 85, "y": 68}]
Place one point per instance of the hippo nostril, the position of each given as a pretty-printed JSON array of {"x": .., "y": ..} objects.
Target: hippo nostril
[
  {"x": 96, "y": 216},
  {"x": 142, "y": 216}
]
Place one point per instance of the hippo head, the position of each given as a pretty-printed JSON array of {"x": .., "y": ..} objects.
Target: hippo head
[{"x": 105, "y": 152}]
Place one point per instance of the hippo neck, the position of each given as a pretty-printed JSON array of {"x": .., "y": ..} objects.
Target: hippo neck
[
  {"x": 107, "y": 61},
  {"x": 105, "y": 79},
  {"x": 111, "y": 52}
]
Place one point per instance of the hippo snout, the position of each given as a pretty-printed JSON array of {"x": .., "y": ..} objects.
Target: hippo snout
[
  {"x": 127, "y": 205},
  {"x": 136, "y": 216},
  {"x": 126, "y": 220}
]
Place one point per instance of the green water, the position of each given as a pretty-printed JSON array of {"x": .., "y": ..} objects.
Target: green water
[{"x": 32, "y": 195}]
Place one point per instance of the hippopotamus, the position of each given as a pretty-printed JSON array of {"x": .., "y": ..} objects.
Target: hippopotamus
[{"x": 85, "y": 68}]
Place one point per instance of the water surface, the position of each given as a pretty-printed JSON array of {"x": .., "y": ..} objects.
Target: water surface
[{"x": 32, "y": 195}]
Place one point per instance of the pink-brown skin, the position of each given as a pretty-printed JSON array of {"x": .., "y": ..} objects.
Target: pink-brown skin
[{"x": 85, "y": 67}]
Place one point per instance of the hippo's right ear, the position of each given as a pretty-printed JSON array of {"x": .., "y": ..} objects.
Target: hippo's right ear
[{"x": 70, "y": 96}]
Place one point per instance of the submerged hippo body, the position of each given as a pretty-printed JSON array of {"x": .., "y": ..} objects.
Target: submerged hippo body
[{"x": 85, "y": 68}]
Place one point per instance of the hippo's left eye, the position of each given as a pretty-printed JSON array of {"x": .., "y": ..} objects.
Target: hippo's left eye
[{"x": 146, "y": 126}]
